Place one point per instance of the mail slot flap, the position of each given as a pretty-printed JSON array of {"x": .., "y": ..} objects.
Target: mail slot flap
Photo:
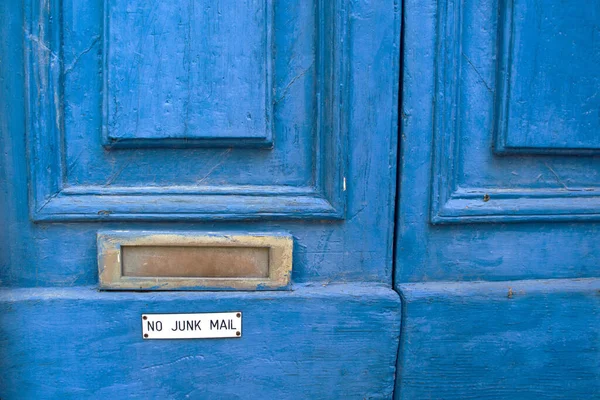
[{"x": 142, "y": 260}]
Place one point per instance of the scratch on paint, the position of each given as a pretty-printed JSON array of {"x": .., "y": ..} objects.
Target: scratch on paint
[
  {"x": 41, "y": 44},
  {"x": 360, "y": 210},
  {"x": 119, "y": 172},
  {"x": 48, "y": 201},
  {"x": 185, "y": 358},
  {"x": 76, "y": 59},
  {"x": 223, "y": 157},
  {"x": 478, "y": 74},
  {"x": 289, "y": 85},
  {"x": 560, "y": 180}
]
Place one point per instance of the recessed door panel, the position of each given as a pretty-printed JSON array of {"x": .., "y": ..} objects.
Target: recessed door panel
[
  {"x": 549, "y": 77},
  {"x": 484, "y": 90},
  {"x": 174, "y": 112},
  {"x": 187, "y": 70}
]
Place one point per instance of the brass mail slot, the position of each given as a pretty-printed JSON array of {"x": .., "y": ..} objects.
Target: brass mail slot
[{"x": 130, "y": 260}]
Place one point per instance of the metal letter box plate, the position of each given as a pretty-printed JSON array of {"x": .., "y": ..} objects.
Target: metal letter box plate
[{"x": 129, "y": 260}]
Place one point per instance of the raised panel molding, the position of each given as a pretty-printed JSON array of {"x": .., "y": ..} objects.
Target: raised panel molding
[
  {"x": 53, "y": 199},
  {"x": 453, "y": 203},
  {"x": 202, "y": 78},
  {"x": 548, "y": 104}
]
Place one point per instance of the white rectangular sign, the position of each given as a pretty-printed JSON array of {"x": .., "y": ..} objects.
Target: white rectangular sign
[{"x": 192, "y": 326}]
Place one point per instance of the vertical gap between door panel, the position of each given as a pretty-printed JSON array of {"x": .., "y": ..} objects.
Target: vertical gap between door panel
[{"x": 395, "y": 393}]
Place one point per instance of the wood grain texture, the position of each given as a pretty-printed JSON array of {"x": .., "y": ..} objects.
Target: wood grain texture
[
  {"x": 338, "y": 341},
  {"x": 548, "y": 80},
  {"x": 7, "y": 51},
  {"x": 527, "y": 194},
  {"x": 326, "y": 249},
  {"x": 471, "y": 183},
  {"x": 188, "y": 70},
  {"x": 269, "y": 75},
  {"x": 500, "y": 340}
]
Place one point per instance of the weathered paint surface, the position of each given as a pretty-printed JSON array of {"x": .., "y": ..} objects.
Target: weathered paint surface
[
  {"x": 499, "y": 183},
  {"x": 548, "y": 94},
  {"x": 337, "y": 341},
  {"x": 325, "y": 177},
  {"x": 357, "y": 248},
  {"x": 500, "y": 340},
  {"x": 221, "y": 87},
  {"x": 453, "y": 183},
  {"x": 77, "y": 176}
]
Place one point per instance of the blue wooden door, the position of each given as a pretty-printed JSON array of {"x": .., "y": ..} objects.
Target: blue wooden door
[
  {"x": 454, "y": 255},
  {"x": 182, "y": 121},
  {"x": 498, "y": 252}
]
